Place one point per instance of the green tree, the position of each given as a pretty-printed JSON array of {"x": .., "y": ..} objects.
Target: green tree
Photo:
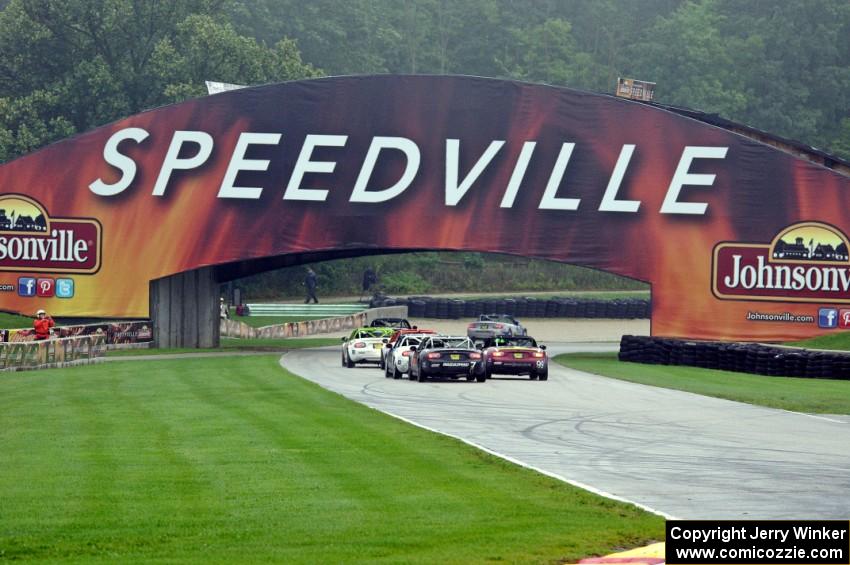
[
  {"x": 71, "y": 65},
  {"x": 841, "y": 142},
  {"x": 348, "y": 37},
  {"x": 800, "y": 77},
  {"x": 692, "y": 63},
  {"x": 547, "y": 52},
  {"x": 203, "y": 49}
]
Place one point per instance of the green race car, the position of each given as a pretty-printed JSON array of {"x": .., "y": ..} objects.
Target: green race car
[{"x": 364, "y": 345}]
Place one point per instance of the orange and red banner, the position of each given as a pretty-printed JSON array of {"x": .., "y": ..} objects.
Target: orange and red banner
[{"x": 738, "y": 239}]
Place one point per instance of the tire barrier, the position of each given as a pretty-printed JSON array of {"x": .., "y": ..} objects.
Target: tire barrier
[
  {"x": 520, "y": 307},
  {"x": 739, "y": 357}
]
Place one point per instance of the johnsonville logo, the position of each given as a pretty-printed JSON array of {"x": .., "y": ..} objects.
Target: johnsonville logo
[
  {"x": 806, "y": 262},
  {"x": 32, "y": 241}
]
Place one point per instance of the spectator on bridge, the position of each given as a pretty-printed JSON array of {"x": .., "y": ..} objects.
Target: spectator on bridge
[
  {"x": 310, "y": 283},
  {"x": 43, "y": 325}
]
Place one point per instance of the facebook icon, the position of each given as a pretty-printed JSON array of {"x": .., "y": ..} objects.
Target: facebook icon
[
  {"x": 828, "y": 317},
  {"x": 26, "y": 286}
]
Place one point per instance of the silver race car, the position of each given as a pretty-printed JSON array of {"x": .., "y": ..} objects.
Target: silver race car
[{"x": 495, "y": 325}]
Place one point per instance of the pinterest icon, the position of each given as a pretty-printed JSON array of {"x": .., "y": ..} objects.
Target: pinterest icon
[{"x": 45, "y": 287}]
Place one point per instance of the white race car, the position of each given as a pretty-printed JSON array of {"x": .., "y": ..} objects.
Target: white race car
[
  {"x": 364, "y": 345},
  {"x": 399, "y": 355}
]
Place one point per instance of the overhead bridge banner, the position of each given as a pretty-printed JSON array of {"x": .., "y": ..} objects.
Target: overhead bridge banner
[{"x": 738, "y": 239}]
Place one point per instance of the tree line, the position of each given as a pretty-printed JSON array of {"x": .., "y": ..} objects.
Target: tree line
[
  {"x": 68, "y": 66},
  {"x": 434, "y": 273}
]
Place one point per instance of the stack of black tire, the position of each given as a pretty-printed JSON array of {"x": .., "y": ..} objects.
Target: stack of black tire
[
  {"x": 740, "y": 357},
  {"x": 520, "y": 307}
]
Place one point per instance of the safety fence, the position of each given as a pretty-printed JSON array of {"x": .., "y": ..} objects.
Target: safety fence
[
  {"x": 740, "y": 357},
  {"x": 60, "y": 352},
  {"x": 521, "y": 307},
  {"x": 238, "y": 329},
  {"x": 115, "y": 333}
]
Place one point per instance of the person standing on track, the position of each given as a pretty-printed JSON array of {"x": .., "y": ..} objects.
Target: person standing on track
[
  {"x": 42, "y": 325},
  {"x": 370, "y": 279},
  {"x": 310, "y": 284}
]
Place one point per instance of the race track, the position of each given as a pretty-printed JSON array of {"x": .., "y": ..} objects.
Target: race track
[{"x": 681, "y": 454}]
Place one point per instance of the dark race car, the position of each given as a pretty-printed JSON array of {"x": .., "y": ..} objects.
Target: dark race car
[
  {"x": 390, "y": 323},
  {"x": 515, "y": 355},
  {"x": 443, "y": 356}
]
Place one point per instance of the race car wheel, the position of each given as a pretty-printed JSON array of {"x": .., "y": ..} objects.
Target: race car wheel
[
  {"x": 481, "y": 378},
  {"x": 487, "y": 373},
  {"x": 396, "y": 373},
  {"x": 422, "y": 376},
  {"x": 543, "y": 375},
  {"x": 348, "y": 362}
]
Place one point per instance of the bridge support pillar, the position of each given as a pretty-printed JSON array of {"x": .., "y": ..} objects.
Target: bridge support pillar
[{"x": 184, "y": 309}]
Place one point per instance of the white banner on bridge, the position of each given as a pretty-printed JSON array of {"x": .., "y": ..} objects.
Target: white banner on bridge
[{"x": 217, "y": 87}]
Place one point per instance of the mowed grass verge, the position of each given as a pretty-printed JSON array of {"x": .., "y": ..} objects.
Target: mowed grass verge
[
  {"x": 14, "y": 321},
  {"x": 236, "y": 460},
  {"x": 838, "y": 341},
  {"x": 818, "y": 396}
]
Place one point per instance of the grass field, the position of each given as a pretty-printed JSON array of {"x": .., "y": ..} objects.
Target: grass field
[
  {"x": 800, "y": 395},
  {"x": 14, "y": 321},
  {"x": 839, "y": 341},
  {"x": 235, "y": 460}
]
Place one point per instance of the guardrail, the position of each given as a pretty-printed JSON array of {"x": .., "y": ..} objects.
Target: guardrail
[
  {"x": 263, "y": 309},
  {"x": 61, "y": 352},
  {"x": 753, "y": 358}
]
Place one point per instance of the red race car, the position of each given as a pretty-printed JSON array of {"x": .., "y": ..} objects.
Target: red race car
[{"x": 515, "y": 355}]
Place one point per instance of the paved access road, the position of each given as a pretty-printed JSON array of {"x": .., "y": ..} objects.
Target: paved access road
[{"x": 682, "y": 454}]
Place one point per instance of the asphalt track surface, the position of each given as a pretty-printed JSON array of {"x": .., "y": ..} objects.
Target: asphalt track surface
[{"x": 677, "y": 453}]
